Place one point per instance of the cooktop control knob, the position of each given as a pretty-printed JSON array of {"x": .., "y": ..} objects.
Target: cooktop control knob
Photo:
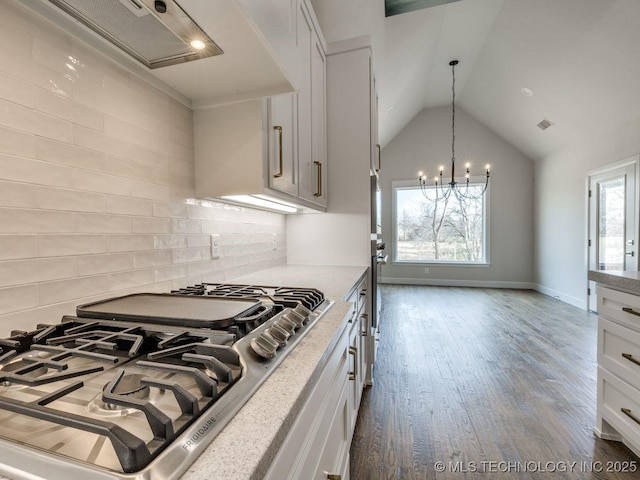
[
  {"x": 286, "y": 323},
  {"x": 279, "y": 334},
  {"x": 295, "y": 318},
  {"x": 303, "y": 312},
  {"x": 264, "y": 345}
]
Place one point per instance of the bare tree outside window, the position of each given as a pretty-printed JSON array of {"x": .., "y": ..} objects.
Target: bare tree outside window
[
  {"x": 449, "y": 230},
  {"x": 611, "y": 204}
]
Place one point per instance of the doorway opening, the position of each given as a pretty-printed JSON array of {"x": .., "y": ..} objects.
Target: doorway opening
[{"x": 613, "y": 223}]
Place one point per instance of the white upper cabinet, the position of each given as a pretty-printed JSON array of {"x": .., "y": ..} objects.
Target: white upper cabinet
[
  {"x": 288, "y": 140},
  {"x": 312, "y": 137},
  {"x": 319, "y": 121}
]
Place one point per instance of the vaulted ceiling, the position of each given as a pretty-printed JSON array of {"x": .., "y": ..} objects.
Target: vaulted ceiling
[{"x": 579, "y": 58}]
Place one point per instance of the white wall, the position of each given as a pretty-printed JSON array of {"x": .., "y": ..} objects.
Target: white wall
[
  {"x": 561, "y": 207},
  {"x": 424, "y": 144},
  {"x": 96, "y": 184}
]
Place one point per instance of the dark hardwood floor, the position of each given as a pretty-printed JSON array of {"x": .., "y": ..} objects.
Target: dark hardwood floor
[{"x": 491, "y": 383}]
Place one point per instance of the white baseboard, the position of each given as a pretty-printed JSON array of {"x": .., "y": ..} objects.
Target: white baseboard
[
  {"x": 576, "y": 302},
  {"x": 457, "y": 283}
]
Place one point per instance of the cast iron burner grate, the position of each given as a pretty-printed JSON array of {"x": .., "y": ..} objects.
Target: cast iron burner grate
[
  {"x": 203, "y": 360},
  {"x": 288, "y": 297}
]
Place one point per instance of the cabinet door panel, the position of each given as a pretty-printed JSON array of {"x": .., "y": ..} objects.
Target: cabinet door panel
[
  {"x": 318, "y": 124},
  {"x": 305, "y": 40},
  {"x": 620, "y": 407},
  {"x": 282, "y": 171},
  {"x": 338, "y": 441},
  {"x": 619, "y": 351},
  {"x": 354, "y": 390}
]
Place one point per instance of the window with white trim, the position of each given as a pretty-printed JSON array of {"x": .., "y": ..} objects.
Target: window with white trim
[{"x": 430, "y": 230}]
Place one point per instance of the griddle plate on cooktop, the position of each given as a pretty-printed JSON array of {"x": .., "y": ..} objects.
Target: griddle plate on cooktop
[{"x": 167, "y": 309}]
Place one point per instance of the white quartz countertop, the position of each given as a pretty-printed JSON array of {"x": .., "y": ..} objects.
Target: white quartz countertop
[
  {"x": 619, "y": 280},
  {"x": 248, "y": 444}
]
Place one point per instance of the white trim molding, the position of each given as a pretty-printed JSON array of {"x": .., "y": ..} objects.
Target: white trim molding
[
  {"x": 575, "y": 301},
  {"x": 434, "y": 282}
]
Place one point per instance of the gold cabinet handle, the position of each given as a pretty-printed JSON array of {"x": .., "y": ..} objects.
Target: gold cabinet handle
[
  {"x": 354, "y": 351},
  {"x": 365, "y": 317},
  {"x": 628, "y": 413},
  {"x": 379, "y": 157},
  {"x": 278, "y": 129},
  {"x": 629, "y": 357},
  {"x": 319, "y": 182},
  {"x": 333, "y": 476}
]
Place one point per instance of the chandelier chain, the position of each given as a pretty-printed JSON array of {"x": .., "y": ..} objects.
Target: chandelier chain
[{"x": 453, "y": 116}]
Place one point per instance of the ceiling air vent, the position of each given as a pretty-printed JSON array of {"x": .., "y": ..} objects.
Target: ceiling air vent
[
  {"x": 544, "y": 124},
  {"x": 157, "y": 33}
]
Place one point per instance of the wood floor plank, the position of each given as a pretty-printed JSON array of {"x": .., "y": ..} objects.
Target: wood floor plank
[{"x": 495, "y": 383}]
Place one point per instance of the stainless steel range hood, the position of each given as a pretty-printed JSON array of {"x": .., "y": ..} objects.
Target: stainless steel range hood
[{"x": 157, "y": 33}]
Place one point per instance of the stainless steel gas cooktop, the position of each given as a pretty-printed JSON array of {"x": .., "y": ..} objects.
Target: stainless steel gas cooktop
[{"x": 136, "y": 387}]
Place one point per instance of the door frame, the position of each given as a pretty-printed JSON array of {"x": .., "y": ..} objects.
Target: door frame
[{"x": 635, "y": 161}]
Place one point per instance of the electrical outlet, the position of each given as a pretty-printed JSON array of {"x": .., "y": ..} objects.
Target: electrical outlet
[
  {"x": 426, "y": 269},
  {"x": 215, "y": 246},
  {"x": 274, "y": 245}
]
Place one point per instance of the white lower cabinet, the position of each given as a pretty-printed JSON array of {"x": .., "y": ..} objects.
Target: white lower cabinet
[
  {"x": 319, "y": 439},
  {"x": 317, "y": 445},
  {"x": 618, "y": 406},
  {"x": 358, "y": 331}
]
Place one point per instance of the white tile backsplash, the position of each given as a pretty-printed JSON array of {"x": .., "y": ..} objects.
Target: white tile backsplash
[
  {"x": 53, "y": 151},
  {"x": 65, "y": 290},
  {"x": 16, "y": 142},
  {"x": 48, "y": 198},
  {"x": 128, "y": 205},
  {"x": 99, "y": 223},
  {"x": 45, "y": 125},
  {"x": 13, "y": 247},
  {"x": 17, "y": 195},
  {"x": 19, "y": 220},
  {"x": 96, "y": 184},
  {"x": 22, "y": 169},
  {"x": 65, "y": 245},
  {"x": 15, "y": 90},
  {"x": 35, "y": 270},
  {"x": 17, "y": 298},
  {"x": 152, "y": 258},
  {"x": 104, "y": 263},
  {"x": 67, "y": 109},
  {"x": 151, "y": 225},
  {"x": 129, "y": 243}
]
